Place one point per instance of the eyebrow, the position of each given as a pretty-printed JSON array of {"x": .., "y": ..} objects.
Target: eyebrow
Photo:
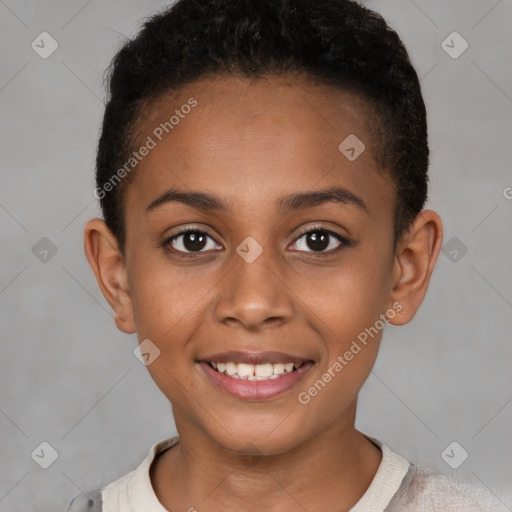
[{"x": 287, "y": 204}]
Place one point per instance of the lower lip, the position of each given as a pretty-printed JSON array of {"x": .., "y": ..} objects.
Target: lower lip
[{"x": 255, "y": 389}]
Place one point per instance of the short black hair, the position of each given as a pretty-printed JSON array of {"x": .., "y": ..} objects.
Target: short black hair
[{"x": 338, "y": 43}]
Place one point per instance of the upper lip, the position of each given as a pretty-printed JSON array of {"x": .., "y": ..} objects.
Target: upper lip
[{"x": 251, "y": 357}]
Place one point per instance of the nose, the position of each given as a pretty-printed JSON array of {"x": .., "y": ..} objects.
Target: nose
[{"x": 254, "y": 296}]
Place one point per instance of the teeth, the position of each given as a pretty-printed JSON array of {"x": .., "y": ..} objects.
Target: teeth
[
  {"x": 245, "y": 370},
  {"x": 257, "y": 372},
  {"x": 231, "y": 368},
  {"x": 264, "y": 370},
  {"x": 278, "y": 368}
]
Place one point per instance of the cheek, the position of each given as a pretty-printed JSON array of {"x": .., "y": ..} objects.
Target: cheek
[
  {"x": 348, "y": 299},
  {"x": 164, "y": 296},
  {"x": 349, "y": 308},
  {"x": 169, "y": 307}
]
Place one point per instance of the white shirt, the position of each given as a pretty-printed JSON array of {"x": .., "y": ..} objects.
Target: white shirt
[{"x": 397, "y": 486}]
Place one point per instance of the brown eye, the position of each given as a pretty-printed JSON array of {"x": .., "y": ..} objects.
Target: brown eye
[
  {"x": 191, "y": 241},
  {"x": 320, "y": 240}
]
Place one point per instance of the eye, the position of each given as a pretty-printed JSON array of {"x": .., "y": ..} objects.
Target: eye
[
  {"x": 320, "y": 240},
  {"x": 189, "y": 241}
]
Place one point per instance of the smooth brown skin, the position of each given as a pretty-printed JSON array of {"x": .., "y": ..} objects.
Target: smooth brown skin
[{"x": 252, "y": 142}]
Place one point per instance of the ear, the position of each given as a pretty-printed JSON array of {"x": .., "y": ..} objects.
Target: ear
[
  {"x": 415, "y": 258},
  {"x": 107, "y": 263}
]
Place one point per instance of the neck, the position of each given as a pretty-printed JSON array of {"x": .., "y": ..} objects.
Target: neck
[{"x": 330, "y": 471}]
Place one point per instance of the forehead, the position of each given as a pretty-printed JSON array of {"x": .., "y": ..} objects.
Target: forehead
[{"x": 250, "y": 141}]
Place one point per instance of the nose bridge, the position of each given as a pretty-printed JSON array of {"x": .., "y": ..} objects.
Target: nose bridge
[{"x": 253, "y": 294}]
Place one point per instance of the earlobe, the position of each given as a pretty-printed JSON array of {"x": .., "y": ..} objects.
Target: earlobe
[
  {"x": 414, "y": 262},
  {"x": 107, "y": 263}
]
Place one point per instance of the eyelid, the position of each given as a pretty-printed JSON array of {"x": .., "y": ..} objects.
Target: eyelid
[
  {"x": 303, "y": 231},
  {"x": 187, "y": 228},
  {"x": 318, "y": 227},
  {"x": 313, "y": 228},
  {"x": 181, "y": 231}
]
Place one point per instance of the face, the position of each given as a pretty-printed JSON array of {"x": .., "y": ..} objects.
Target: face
[{"x": 255, "y": 280}]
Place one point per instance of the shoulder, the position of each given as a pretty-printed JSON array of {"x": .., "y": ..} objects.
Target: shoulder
[
  {"x": 86, "y": 502},
  {"x": 426, "y": 490},
  {"x": 117, "y": 494}
]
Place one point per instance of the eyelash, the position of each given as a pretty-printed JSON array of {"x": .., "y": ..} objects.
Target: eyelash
[{"x": 311, "y": 229}]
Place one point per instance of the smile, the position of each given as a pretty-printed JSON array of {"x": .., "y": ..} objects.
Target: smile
[
  {"x": 265, "y": 371},
  {"x": 254, "y": 376}
]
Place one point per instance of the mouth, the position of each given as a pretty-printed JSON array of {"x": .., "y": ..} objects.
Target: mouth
[
  {"x": 255, "y": 376},
  {"x": 254, "y": 372}
]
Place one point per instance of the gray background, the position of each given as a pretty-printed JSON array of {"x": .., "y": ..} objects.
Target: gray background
[{"x": 68, "y": 377}]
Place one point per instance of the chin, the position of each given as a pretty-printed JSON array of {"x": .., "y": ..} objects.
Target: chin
[{"x": 273, "y": 435}]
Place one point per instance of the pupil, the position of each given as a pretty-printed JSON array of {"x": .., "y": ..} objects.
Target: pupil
[
  {"x": 319, "y": 242},
  {"x": 194, "y": 241}
]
